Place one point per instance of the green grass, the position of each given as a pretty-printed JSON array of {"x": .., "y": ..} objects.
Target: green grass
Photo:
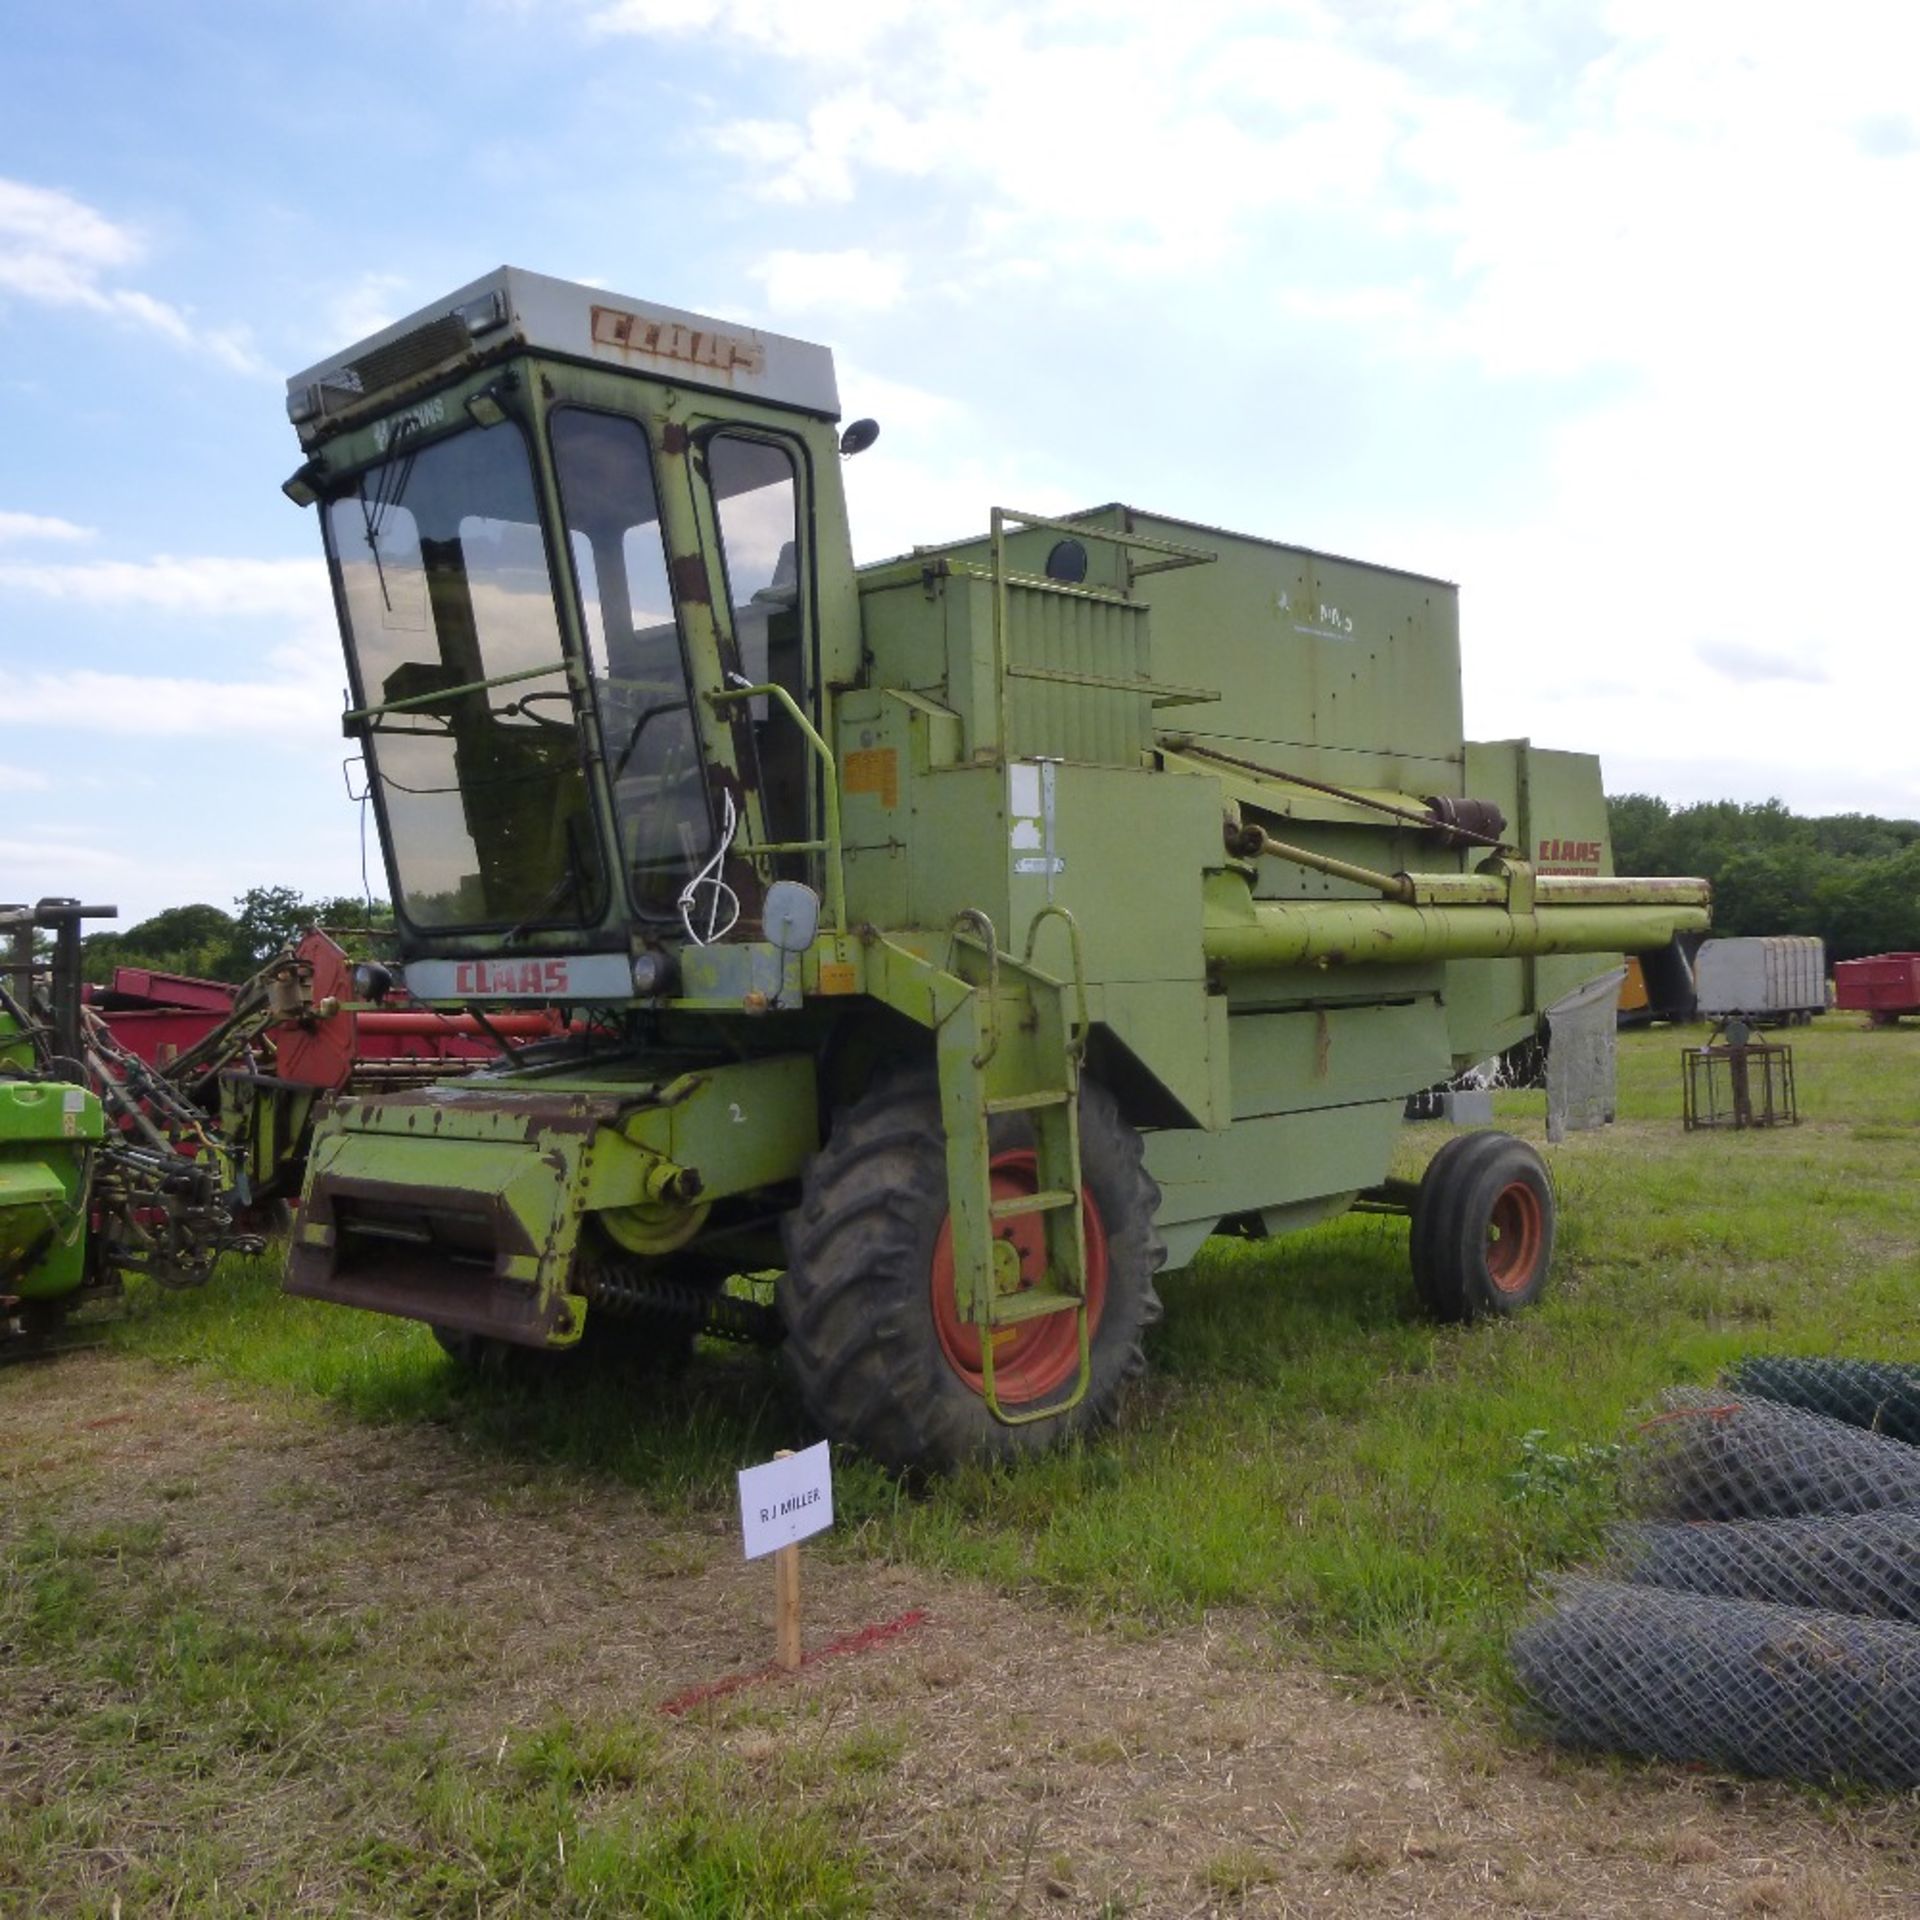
[
  {"x": 207, "y": 1752},
  {"x": 1380, "y": 1490}
]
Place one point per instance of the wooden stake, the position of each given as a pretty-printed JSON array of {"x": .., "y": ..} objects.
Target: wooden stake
[{"x": 786, "y": 1598}]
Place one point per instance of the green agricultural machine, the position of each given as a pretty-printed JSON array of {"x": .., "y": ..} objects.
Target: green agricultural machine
[
  {"x": 106, "y": 1168},
  {"x": 51, "y": 1128},
  {"x": 962, "y": 939}
]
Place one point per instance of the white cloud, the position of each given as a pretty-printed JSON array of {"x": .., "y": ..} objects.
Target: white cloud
[
  {"x": 57, "y": 251},
  {"x": 22, "y": 780},
  {"x": 852, "y": 279},
  {"x": 300, "y": 707},
  {"x": 201, "y": 584},
  {"x": 897, "y": 405},
  {"x": 25, "y": 527},
  {"x": 299, "y": 703},
  {"x": 46, "y": 867},
  {"x": 1745, "y": 664},
  {"x": 826, "y": 31},
  {"x": 371, "y": 304},
  {"x": 1693, "y": 206}
]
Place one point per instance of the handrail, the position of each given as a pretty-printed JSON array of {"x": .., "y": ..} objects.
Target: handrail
[
  {"x": 835, "y": 876},
  {"x": 1077, "y": 1045},
  {"x": 413, "y": 700}
]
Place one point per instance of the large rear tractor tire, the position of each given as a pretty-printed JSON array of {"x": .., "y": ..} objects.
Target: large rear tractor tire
[
  {"x": 1482, "y": 1239},
  {"x": 875, "y": 1340}
]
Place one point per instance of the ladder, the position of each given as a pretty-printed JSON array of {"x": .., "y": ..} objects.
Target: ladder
[{"x": 1015, "y": 1046}]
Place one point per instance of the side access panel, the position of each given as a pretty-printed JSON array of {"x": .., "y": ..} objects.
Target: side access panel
[{"x": 1292, "y": 1169}]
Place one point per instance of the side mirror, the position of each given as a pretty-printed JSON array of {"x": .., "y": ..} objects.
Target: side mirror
[
  {"x": 858, "y": 438},
  {"x": 790, "y": 916}
]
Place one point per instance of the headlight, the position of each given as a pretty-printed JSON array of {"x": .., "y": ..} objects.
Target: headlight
[{"x": 652, "y": 972}]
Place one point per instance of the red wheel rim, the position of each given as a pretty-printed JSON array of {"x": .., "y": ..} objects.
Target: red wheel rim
[
  {"x": 1034, "y": 1358},
  {"x": 1516, "y": 1230}
]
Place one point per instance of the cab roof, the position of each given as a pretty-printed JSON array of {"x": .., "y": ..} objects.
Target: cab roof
[{"x": 511, "y": 307}]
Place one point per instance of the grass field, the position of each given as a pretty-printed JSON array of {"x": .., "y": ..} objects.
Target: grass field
[
  {"x": 1311, "y": 1461},
  {"x": 1380, "y": 1489}
]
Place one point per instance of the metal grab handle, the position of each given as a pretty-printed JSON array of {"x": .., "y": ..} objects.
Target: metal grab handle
[
  {"x": 984, "y": 933},
  {"x": 1077, "y": 1044},
  {"x": 835, "y": 877}
]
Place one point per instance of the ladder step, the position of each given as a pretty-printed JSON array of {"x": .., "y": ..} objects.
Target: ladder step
[
  {"x": 1044, "y": 1201},
  {"x": 1035, "y": 1302},
  {"x": 1026, "y": 1102}
]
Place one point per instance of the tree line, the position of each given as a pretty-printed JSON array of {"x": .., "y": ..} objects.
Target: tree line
[
  {"x": 1851, "y": 878},
  {"x": 212, "y": 944}
]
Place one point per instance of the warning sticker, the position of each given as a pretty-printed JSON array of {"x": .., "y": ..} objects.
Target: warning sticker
[{"x": 874, "y": 770}]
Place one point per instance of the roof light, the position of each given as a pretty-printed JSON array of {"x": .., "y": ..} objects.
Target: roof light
[{"x": 486, "y": 313}]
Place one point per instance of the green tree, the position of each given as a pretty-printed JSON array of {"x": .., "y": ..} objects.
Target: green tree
[
  {"x": 193, "y": 940},
  {"x": 1851, "y": 878}
]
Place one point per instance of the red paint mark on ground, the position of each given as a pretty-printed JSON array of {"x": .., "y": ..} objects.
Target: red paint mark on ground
[
  {"x": 856, "y": 1642},
  {"x": 1725, "y": 1411}
]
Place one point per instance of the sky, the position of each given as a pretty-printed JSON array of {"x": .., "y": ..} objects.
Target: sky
[{"x": 1606, "y": 310}]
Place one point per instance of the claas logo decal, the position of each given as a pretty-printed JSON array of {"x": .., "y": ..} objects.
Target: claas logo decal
[
  {"x": 1569, "y": 856},
  {"x": 510, "y": 976}
]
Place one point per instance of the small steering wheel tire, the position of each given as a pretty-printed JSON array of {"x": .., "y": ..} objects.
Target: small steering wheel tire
[{"x": 1483, "y": 1228}]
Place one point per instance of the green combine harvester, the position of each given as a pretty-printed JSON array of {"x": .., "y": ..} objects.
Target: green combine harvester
[{"x": 963, "y": 938}]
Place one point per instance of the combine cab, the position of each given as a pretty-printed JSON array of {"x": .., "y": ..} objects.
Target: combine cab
[{"x": 962, "y": 939}]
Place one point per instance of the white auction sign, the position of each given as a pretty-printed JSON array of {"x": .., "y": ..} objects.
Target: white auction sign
[{"x": 786, "y": 1500}]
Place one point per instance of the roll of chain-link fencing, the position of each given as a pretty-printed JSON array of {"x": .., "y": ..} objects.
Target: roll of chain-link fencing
[
  {"x": 1878, "y": 1394},
  {"x": 1740, "y": 1684},
  {"x": 1716, "y": 1456},
  {"x": 1859, "y": 1563}
]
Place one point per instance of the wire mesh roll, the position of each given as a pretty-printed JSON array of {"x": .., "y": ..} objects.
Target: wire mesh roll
[
  {"x": 1861, "y": 1563},
  {"x": 1714, "y": 1456},
  {"x": 1877, "y": 1394},
  {"x": 1777, "y": 1691}
]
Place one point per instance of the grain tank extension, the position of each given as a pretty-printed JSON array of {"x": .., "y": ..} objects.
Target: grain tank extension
[{"x": 963, "y": 938}]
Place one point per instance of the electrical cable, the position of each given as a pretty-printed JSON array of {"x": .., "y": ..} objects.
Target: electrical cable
[{"x": 709, "y": 876}]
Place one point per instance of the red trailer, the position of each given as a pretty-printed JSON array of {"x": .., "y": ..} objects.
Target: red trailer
[{"x": 1883, "y": 986}]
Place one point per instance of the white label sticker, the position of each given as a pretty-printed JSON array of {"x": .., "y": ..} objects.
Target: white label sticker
[
  {"x": 786, "y": 1500},
  {"x": 74, "y": 1100},
  {"x": 1023, "y": 789}
]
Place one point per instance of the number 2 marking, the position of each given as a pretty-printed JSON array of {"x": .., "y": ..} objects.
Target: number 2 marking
[{"x": 734, "y": 1114}]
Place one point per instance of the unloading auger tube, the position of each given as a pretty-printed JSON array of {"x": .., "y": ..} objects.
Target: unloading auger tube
[{"x": 1560, "y": 914}]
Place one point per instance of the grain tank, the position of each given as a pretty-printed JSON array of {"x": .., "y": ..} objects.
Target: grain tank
[{"x": 962, "y": 939}]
